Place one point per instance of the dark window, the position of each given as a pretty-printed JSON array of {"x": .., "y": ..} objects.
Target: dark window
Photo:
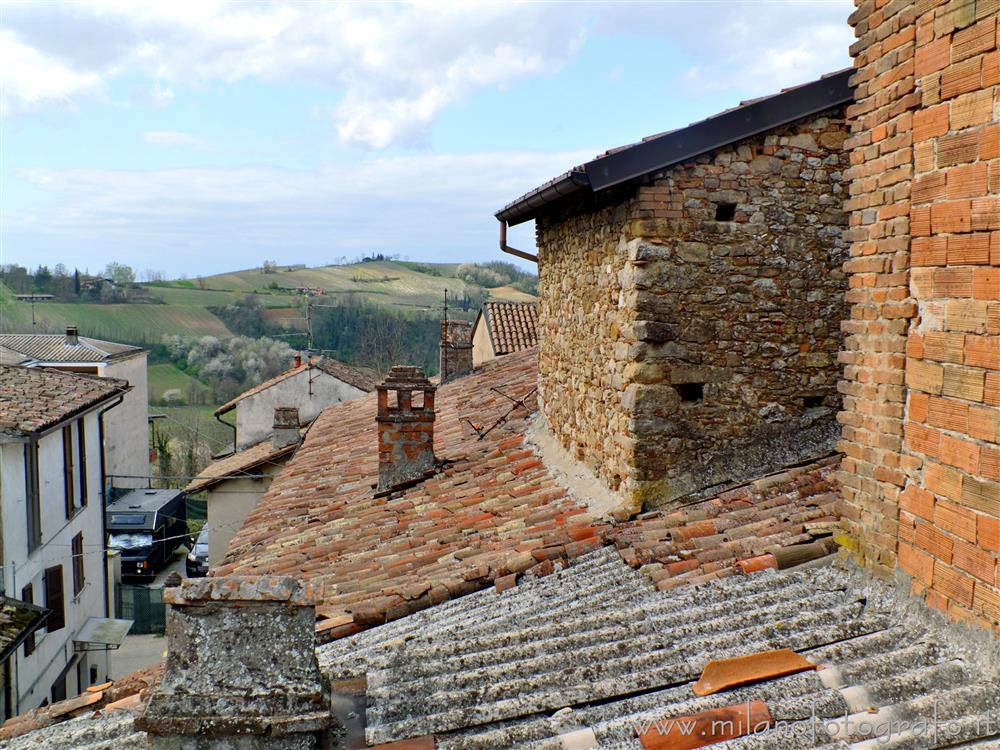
[
  {"x": 725, "y": 212},
  {"x": 691, "y": 391},
  {"x": 28, "y": 595},
  {"x": 811, "y": 402},
  {"x": 68, "y": 473},
  {"x": 54, "y": 598},
  {"x": 81, "y": 443},
  {"x": 59, "y": 689},
  {"x": 78, "y": 577},
  {"x": 33, "y": 496}
]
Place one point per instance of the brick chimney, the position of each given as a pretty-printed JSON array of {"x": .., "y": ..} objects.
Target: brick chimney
[
  {"x": 456, "y": 349},
  {"x": 241, "y": 668},
  {"x": 298, "y": 360},
  {"x": 405, "y": 427},
  {"x": 72, "y": 336},
  {"x": 285, "y": 430}
]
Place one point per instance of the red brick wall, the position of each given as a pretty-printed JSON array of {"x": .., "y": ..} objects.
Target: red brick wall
[{"x": 922, "y": 356}]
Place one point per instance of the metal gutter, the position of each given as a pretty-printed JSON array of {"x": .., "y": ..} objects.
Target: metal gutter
[{"x": 519, "y": 211}]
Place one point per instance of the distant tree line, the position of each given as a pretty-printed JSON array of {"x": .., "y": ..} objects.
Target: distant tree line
[{"x": 115, "y": 283}]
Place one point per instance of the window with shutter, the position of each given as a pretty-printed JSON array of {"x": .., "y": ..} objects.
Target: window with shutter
[
  {"x": 78, "y": 575},
  {"x": 81, "y": 443},
  {"x": 54, "y": 598},
  {"x": 33, "y": 496},
  {"x": 28, "y": 595},
  {"x": 68, "y": 489}
]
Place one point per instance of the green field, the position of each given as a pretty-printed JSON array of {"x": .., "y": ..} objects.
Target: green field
[
  {"x": 132, "y": 324},
  {"x": 185, "y": 421},
  {"x": 166, "y": 377}
]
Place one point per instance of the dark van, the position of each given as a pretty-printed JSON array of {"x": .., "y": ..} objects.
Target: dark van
[{"x": 146, "y": 526}]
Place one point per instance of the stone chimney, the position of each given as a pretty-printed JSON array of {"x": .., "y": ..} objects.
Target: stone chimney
[
  {"x": 405, "y": 427},
  {"x": 72, "y": 336},
  {"x": 456, "y": 349},
  {"x": 285, "y": 430},
  {"x": 241, "y": 668}
]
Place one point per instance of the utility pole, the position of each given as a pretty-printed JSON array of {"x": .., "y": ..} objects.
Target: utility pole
[{"x": 309, "y": 328}]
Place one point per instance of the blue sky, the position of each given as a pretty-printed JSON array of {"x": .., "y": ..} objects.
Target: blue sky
[{"x": 197, "y": 138}]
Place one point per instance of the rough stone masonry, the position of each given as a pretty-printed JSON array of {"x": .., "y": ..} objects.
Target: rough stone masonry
[{"x": 689, "y": 327}]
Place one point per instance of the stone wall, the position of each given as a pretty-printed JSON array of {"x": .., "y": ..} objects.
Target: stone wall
[
  {"x": 689, "y": 333},
  {"x": 922, "y": 417}
]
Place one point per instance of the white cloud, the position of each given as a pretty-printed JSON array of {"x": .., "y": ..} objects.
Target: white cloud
[
  {"x": 171, "y": 138},
  {"x": 425, "y": 206},
  {"x": 395, "y": 67}
]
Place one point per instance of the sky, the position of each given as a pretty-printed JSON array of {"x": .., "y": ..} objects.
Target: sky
[{"x": 199, "y": 137}]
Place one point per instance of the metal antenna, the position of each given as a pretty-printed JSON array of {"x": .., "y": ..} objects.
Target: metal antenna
[{"x": 445, "y": 305}]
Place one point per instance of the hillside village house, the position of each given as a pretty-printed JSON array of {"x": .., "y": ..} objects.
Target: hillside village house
[
  {"x": 52, "y": 472},
  {"x": 503, "y": 328},
  {"x": 126, "y": 428},
  {"x": 267, "y": 431},
  {"x": 472, "y": 587},
  {"x": 309, "y": 386},
  {"x": 690, "y": 292}
]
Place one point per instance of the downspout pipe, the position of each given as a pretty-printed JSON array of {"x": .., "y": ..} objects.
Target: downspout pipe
[
  {"x": 104, "y": 500},
  {"x": 220, "y": 420},
  {"x": 513, "y": 250}
]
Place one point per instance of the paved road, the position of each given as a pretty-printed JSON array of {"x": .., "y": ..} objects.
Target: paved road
[{"x": 140, "y": 651}]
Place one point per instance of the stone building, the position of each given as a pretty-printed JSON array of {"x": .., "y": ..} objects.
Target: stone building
[
  {"x": 921, "y": 419},
  {"x": 691, "y": 292}
]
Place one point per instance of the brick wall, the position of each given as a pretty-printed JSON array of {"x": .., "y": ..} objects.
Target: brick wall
[
  {"x": 922, "y": 357},
  {"x": 682, "y": 348}
]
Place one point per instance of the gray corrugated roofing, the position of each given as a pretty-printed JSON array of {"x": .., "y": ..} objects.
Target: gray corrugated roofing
[
  {"x": 491, "y": 671},
  {"x": 657, "y": 152},
  {"x": 52, "y": 347}
]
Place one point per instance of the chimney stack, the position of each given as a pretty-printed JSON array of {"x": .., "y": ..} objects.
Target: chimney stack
[
  {"x": 405, "y": 428},
  {"x": 456, "y": 349},
  {"x": 298, "y": 360},
  {"x": 72, "y": 336},
  {"x": 241, "y": 668},
  {"x": 285, "y": 430}
]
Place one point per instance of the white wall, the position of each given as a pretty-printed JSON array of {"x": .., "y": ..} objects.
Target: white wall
[
  {"x": 229, "y": 503},
  {"x": 35, "y": 674},
  {"x": 482, "y": 348},
  {"x": 126, "y": 429},
  {"x": 255, "y": 414}
]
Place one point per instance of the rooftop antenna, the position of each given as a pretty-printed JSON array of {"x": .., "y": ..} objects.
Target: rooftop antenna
[{"x": 445, "y": 305}]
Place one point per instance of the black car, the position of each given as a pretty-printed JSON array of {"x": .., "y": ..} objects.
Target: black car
[{"x": 197, "y": 559}]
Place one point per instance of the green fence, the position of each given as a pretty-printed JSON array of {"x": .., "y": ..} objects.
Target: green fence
[{"x": 144, "y": 606}]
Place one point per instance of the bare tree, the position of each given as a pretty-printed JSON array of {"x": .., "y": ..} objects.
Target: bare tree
[{"x": 382, "y": 346}]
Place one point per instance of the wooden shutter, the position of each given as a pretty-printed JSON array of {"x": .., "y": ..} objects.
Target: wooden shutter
[
  {"x": 81, "y": 442},
  {"x": 54, "y": 598},
  {"x": 28, "y": 595},
  {"x": 67, "y": 446},
  {"x": 78, "y": 575},
  {"x": 33, "y": 495}
]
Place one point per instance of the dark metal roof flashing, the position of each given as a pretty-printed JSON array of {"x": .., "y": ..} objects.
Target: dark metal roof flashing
[{"x": 659, "y": 152}]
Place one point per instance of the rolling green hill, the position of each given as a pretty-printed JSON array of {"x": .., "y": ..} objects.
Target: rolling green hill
[{"x": 185, "y": 306}]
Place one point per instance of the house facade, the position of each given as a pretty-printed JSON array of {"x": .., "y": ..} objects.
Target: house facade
[
  {"x": 52, "y": 471},
  {"x": 503, "y": 328},
  {"x": 309, "y": 386},
  {"x": 126, "y": 438},
  {"x": 921, "y": 419},
  {"x": 690, "y": 297}
]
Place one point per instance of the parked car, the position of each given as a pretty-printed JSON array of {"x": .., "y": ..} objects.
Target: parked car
[
  {"x": 197, "y": 559},
  {"x": 147, "y": 526}
]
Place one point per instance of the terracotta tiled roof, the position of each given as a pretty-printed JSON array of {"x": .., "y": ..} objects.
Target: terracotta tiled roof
[
  {"x": 241, "y": 462},
  {"x": 339, "y": 370},
  {"x": 17, "y": 619},
  {"x": 511, "y": 325},
  {"x": 33, "y": 398},
  {"x": 493, "y": 512},
  {"x": 52, "y": 347}
]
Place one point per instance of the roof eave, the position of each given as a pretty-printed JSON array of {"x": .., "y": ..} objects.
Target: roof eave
[
  {"x": 658, "y": 153},
  {"x": 525, "y": 207}
]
